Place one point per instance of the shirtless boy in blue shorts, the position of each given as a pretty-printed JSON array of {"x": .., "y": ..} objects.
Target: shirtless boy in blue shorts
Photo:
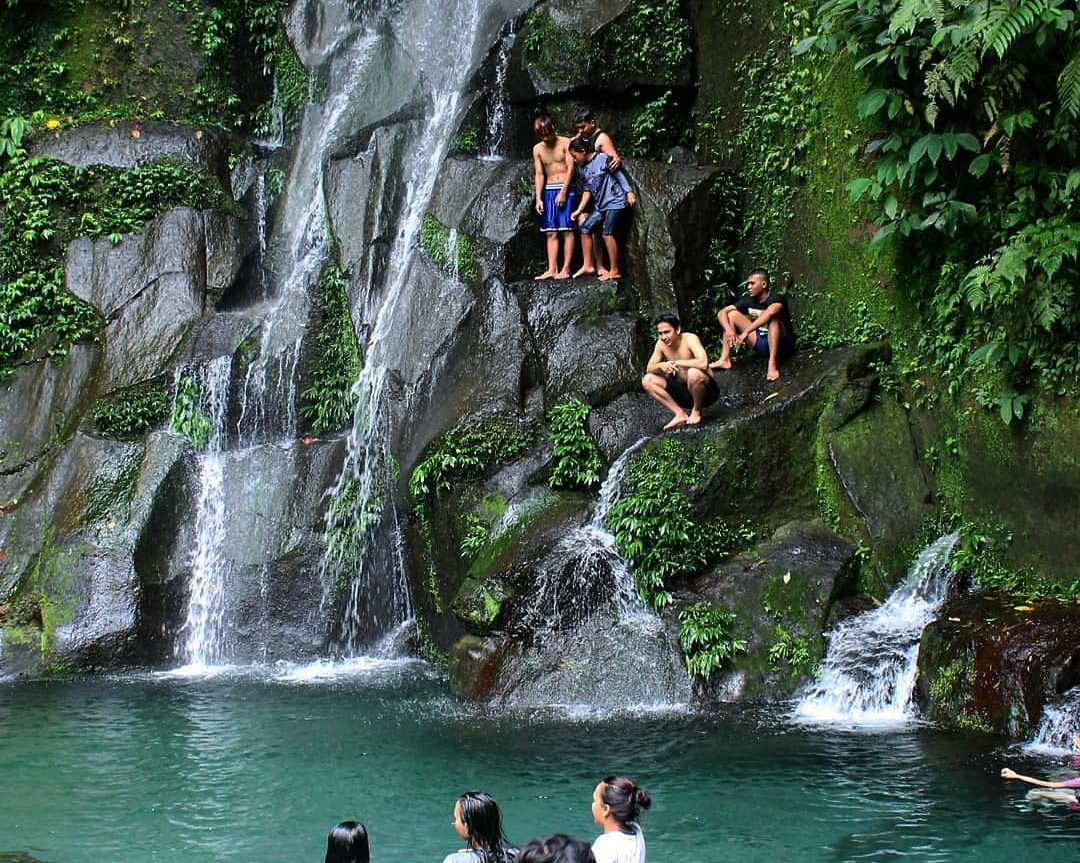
[{"x": 555, "y": 196}]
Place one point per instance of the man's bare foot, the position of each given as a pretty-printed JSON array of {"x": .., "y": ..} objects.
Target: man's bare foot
[
  {"x": 562, "y": 274},
  {"x": 585, "y": 271},
  {"x": 609, "y": 276},
  {"x": 720, "y": 364},
  {"x": 694, "y": 418},
  {"x": 677, "y": 421},
  {"x": 773, "y": 374},
  {"x": 547, "y": 274},
  {"x": 603, "y": 271}
]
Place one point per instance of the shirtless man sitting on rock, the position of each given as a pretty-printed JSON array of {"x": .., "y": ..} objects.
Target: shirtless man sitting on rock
[{"x": 677, "y": 375}]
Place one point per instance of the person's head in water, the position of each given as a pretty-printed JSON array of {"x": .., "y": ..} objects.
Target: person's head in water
[
  {"x": 668, "y": 328},
  {"x": 558, "y": 848},
  {"x": 478, "y": 821},
  {"x": 617, "y": 801},
  {"x": 347, "y": 843},
  {"x": 585, "y": 123},
  {"x": 757, "y": 283},
  {"x": 580, "y": 150},
  {"x": 544, "y": 129}
]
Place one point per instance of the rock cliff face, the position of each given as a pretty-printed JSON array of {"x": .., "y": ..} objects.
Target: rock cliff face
[{"x": 824, "y": 484}]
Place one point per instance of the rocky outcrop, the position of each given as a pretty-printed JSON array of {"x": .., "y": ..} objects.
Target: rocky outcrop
[
  {"x": 991, "y": 663},
  {"x": 781, "y": 592},
  {"x": 128, "y": 144},
  {"x": 152, "y": 287}
]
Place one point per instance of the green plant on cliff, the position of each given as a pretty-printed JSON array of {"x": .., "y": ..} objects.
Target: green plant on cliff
[
  {"x": 706, "y": 638},
  {"x": 132, "y": 411},
  {"x": 553, "y": 50},
  {"x": 44, "y": 204},
  {"x": 651, "y": 41},
  {"x": 981, "y": 552},
  {"x": 466, "y": 453},
  {"x": 577, "y": 460},
  {"x": 187, "y": 417},
  {"x": 455, "y": 253},
  {"x": 974, "y": 170},
  {"x": 790, "y": 649},
  {"x": 330, "y": 400}
]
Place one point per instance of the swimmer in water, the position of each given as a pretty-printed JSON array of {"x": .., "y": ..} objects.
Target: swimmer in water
[{"x": 1065, "y": 791}]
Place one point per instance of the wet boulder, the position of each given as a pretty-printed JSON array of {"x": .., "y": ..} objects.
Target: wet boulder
[
  {"x": 130, "y": 143},
  {"x": 584, "y": 345},
  {"x": 781, "y": 593},
  {"x": 991, "y": 663},
  {"x": 153, "y": 286}
]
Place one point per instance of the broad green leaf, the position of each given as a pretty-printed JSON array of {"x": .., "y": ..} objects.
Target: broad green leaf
[{"x": 979, "y": 165}]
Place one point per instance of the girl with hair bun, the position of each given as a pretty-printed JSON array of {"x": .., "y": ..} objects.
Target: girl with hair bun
[{"x": 616, "y": 804}]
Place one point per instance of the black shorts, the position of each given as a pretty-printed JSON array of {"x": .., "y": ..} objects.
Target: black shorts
[
  {"x": 679, "y": 391},
  {"x": 786, "y": 346}
]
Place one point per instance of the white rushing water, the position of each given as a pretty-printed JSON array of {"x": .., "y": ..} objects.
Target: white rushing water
[
  {"x": 378, "y": 587},
  {"x": 1059, "y": 726},
  {"x": 498, "y": 100},
  {"x": 204, "y": 632},
  {"x": 868, "y": 675}
]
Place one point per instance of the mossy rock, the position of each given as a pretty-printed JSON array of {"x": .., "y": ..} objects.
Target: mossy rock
[{"x": 480, "y": 604}]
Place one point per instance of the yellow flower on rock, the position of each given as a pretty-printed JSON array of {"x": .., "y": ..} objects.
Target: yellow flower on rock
[{"x": 52, "y": 123}]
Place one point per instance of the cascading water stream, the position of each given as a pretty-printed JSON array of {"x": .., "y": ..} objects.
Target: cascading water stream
[
  {"x": 377, "y": 596},
  {"x": 204, "y": 633},
  {"x": 868, "y": 675},
  {"x": 498, "y": 108},
  {"x": 1059, "y": 725}
]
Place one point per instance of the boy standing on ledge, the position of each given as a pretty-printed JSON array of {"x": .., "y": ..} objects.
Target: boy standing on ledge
[
  {"x": 555, "y": 199},
  {"x": 609, "y": 191}
]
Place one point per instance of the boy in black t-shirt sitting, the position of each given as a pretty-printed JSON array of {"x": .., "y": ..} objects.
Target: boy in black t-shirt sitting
[{"x": 760, "y": 318}]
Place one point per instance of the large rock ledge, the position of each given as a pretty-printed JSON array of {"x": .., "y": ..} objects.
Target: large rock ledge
[{"x": 991, "y": 663}]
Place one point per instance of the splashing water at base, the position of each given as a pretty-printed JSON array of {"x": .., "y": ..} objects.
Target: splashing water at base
[
  {"x": 1059, "y": 726},
  {"x": 868, "y": 675}
]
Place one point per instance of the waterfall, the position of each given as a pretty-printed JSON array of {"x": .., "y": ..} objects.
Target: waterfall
[
  {"x": 587, "y": 574},
  {"x": 868, "y": 675},
  {"x": 1059, "y": 725},
  {"x": 204, "y": 631},
  {"x": 498, "y": 110},
  {"x": 377, "y": 595}
]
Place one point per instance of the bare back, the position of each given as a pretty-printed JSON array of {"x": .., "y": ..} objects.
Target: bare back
[{"x": 553, "y": 159}]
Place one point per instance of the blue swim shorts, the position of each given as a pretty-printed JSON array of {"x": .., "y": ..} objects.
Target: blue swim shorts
[
  {"x": 611, "y": 220},
  {"x": 761, "y": 346},
  {"x": 557, "y": 218}
]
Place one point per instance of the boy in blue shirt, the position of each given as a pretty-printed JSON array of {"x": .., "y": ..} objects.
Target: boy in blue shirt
[{"x": 610, "y": 194}]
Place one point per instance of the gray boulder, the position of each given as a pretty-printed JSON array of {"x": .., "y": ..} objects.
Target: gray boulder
[
  {"x": 130, "y": 143},
  {"x": 153, "y": 286}
]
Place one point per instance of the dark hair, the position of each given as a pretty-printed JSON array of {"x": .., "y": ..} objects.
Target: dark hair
[
  {"x": 668, "y": 318},
  {"x": 580, "y": 145},
  {"x": 625, "y": 798},
  {"x": 761, "y": 271},
  {"x": 347, "y": 843},
  {"x": 544, "y": 127},
  {"x": 558, "y": 848},
  {"x": 481, "y": 817},
  {"x": 585, "y": 116}
]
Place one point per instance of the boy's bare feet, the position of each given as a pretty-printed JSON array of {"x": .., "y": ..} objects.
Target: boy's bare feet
[
  {"x": 694, "y": 418},
  {"x": 562, "y": 274},
  {"x": 677, "y": 421},
  {"x": 773, "y": 374},
  {"x": 585, "y": 271},
  {"x": 547, "y": 274},
  {"x": 609, "y": 276},
  {"x": 720, "y": 364}
]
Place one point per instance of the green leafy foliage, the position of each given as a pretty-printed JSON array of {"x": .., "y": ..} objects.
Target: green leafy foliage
[
  {"x": 706, "y": 639},
  {"x": 466, "y": 141},
  {"x": 131, "y": 412},
  {"x": 974, "y": 170},
  {"x": 351, "y": 520},
  {"x": 453, "y": 252},
  {"x": 329, "y": 401},
  {"x": 474, "y": 538},
  {"x": 651, "y": 41},
  {"x": 792, "y": 650},
  {"x": 466, "y": 453},
  {"x": 577, "y": 460},
  {"x": 12, "y": 130},
  {"x": 981, "y": 553},
  {"x": 653, "y": 521},
  {"x": 187, "y": 416},
  {"x": 44, "y": 204}
]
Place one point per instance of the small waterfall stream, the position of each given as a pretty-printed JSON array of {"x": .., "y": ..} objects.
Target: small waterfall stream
[
  {"x": 1059, "y": 726},
  {"x": 498, "y": 109},
  {"x": 868, "y": 675},
  {"x": 204, "y": 632}
]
